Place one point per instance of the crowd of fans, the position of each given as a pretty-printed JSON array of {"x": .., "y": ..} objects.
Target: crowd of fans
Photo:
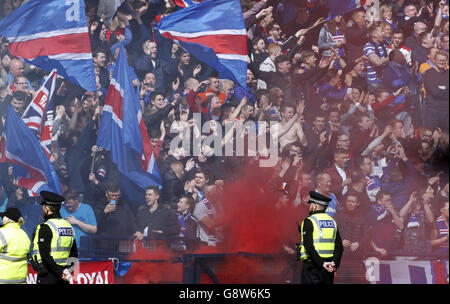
[{"x": 361, "y": 102}]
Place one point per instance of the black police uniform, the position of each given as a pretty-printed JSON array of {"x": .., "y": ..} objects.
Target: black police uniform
[
  {"x": 51, "y": 272},
  {"x": 313, "y": 272}
]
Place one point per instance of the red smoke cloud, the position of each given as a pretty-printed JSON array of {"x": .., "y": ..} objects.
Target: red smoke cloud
[{"x": 252, "y": 223}]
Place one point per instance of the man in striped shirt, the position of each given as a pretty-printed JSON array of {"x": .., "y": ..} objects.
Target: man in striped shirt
[
  {"x": 377, "y": 56},
  {"x": 439, "y": 238}
]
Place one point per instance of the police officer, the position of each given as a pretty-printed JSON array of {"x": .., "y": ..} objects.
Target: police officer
[
  {"x": 53, "y": 243},
  {"x": 321, "y": 247},
  {"x": 14, "y": 247}
]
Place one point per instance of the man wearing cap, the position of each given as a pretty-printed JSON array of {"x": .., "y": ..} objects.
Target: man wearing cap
[
  {"x": 14, "y": 247},
  {"x": 53, "y": 242},
  {"x": 321, "y": 247}
]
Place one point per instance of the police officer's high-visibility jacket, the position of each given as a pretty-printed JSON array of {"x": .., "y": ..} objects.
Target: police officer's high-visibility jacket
[
  {"x": 63, "y": 236},
  {"x": 14, "y": 247},
  {"x": 324, "y": 235}
]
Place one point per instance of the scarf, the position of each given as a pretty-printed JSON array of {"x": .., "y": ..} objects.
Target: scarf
[{"x": 380, "y": 211}]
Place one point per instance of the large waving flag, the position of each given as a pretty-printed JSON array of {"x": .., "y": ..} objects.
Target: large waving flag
[
  {"x": 120, "y": 131},
  {"x": 186, "y": 3},
  {"x": 214, "y": 32},
  {"x": 38, "y": 116},
  {"x": 19, "y": 146},
  {"x": 339, "y": 7},
  {"x": 52, "y": 34}
]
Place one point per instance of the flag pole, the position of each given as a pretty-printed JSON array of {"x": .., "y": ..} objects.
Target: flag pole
[{"x": 317, "y": 23}]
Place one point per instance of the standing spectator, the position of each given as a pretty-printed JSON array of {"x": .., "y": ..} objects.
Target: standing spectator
[
  {"x": 339, "y": 173},
  {"x": 18, "y": 101},
  {"x": 188, "y": 224},
  {"x": 439, "y": 237},
  {"x": 436, "y": 82},
  {"x": 164, "y": 72},
  {"x": 356, "y": 36},
  {"x": 268, "y": 65},
  {"x": 100, "y": 65},
  {"x": 358, "y": 188},
  {"x": 354, "y": 230},
  {"x": 114, "y": 215},
  {"x": 384, "y": 221},
  {"x": 397, "y": 42},
  {"x": 426, "y": 42},
  {"x": 412, "y": 42},
  {"x": 323, "y": 186},
  {"x": 373, "y": 183},
  {"x": 81, "y": 216},
  {"x": 377, "y": 56},
  {"x": 417, "y": 218},
  {"x": 154, "y": 221},
  {"x": 412, "y": 17}
]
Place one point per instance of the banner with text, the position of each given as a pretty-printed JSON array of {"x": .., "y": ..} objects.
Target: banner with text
[{"x": 98, "y": 272}]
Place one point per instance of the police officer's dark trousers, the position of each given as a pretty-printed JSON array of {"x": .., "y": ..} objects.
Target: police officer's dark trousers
[{"x": 311, "y": 274}]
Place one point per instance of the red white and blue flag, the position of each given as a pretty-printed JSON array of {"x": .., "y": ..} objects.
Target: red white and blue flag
[
  {"x": 20, "y": 147},
  {"x": 214, "y": 32},
  {"x": 38, "y": 116},
  {"x": 52, "y": 34},
  {"x": 339, "y": 7},
  {"x": 186, "y": 3},
  {"x": 122, "y": 131}
]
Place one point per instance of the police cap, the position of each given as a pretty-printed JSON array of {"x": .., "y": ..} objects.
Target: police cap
[
  {"x": 12, "y": 213},
  {"x": 315, "y": 197},
  {"x": 51, "y": 198}
]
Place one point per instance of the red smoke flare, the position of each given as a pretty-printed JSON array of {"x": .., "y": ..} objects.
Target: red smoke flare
[{"x": 252, "y": 223}]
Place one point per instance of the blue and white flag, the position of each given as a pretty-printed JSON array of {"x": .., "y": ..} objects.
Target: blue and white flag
[
  {"x": 214, "y": 32},
  {"x": 52, "y": 34},
  {"x": 19, "y": 146}
]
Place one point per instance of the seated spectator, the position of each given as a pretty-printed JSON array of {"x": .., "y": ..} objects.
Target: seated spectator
[
  {"x": 377, "y": 55},
  {"x": 80, "y": 215},
  {"x": 154, "y": 221}
]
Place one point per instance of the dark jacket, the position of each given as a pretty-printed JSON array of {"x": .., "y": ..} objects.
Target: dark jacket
[
  {"x": 353, "y": 227},
  {"x": 437, "y": 88},
  {"x": 172, "y": 189},
  {"x": 356, "y": 39},
  {"x": 161, "y": 219},
  {"x": 165, "y": 72},
  {"x": 119, "y": 223}
]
